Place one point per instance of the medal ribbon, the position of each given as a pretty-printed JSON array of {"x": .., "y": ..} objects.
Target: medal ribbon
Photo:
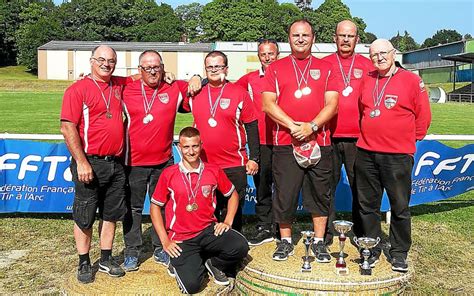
[
  {"x": 376, "y": 95},
  {"x": 213, "y": 107},
  {"x": 190, "y": 192},
  {"x": 147, "y": 105},
  {"x": 302, "y": 73},
  {"x": 106, "y": 102},
  {"x": 346, "y": 78}
]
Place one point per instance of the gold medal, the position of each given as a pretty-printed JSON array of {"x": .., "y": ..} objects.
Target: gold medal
[
  {"x": 189, "y": 208},
  {"x": 195, "y": 206},
  {"x": 108, "y": 115}
]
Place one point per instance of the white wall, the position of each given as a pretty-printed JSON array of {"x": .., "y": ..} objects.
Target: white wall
[
  {"x": 189, "y": 63},
  {"x": 56, "y": 61}
]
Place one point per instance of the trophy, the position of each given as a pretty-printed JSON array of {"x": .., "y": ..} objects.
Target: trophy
[
  {"x": 307, "y": 240},
  {"x": 366, "y": 243},
  {"x": 342, "y": 227}
]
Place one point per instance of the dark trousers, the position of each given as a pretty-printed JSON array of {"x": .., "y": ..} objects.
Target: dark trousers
[
  {"x": 263, "y": 183},
  {"x": 238, "y": 177},
  {"x": 226, "y": 252},
  {"x": 344, "y": 152},
  {"x": 392, "y": 172},
  {"x": 141, "y": 179}
]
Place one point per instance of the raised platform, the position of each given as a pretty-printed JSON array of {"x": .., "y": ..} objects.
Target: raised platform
[{"x": 264, "y": 276}]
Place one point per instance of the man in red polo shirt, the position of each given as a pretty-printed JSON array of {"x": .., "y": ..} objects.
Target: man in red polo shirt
[
  {"x": 193, "y": 237},
  {"x": 267, "y": 53},
  {"x": 395, "y": 113},
  {"x": 301, "y": 96},
  {"x": 225, "y": 115},
  {"x": 150, "y": 105},
  {"x": 92, "y": 126},
  {"x": 349, "y": 69}
]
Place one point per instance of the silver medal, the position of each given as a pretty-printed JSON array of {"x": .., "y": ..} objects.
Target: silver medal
[
  {"x": 306, "y": 91},
  {"x": 147, "y": 119},
  {"x": 345, "y": 93},
  {"x": 298, "y": 94},
  {"x": 212, "y": 122},
  {"x": 377, "y": 112},
  {"x": 349, "y": 89}
]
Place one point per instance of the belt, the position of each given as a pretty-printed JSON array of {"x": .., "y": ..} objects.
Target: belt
[{"x": 104, "y": 157}]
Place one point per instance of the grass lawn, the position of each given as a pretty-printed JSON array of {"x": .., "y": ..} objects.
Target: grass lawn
[{"x": 443, "y": 232}]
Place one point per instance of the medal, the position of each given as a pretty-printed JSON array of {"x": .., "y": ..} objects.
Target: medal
[
  {"x": 212, "y": 122},
  {"x": 190, "y": 191},
  {"x": 147, "y": 105},
  {"x": 306, "y": 90},
  {"x": 346, "y": 78},
  {"x": 189, "y": 208},
  {"x": 377, "y": 95},
  {"x": 108, "y": 115},
  {"x": 300, "y": 77},
  {"x": 298, "y": 94},
  {"x": 195, "y": 206}
]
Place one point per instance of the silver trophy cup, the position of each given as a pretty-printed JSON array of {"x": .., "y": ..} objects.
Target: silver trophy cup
[
  {"x": 342, "y": 227},
  {"x": 366, "y": 243},
  {"x": 307, "y": 241}
]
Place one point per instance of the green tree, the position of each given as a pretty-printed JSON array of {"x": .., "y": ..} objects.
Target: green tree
[
  {"x": 404, "y": 43},
  {"x": 370, "y": 37},
  {"x": 279, "y": 17},
  {"x": 9, "y": 22},
  {"x": 38, "y": 25},
  {"x": 190, "y": 16},
  {"x": 442, "y": 37}
]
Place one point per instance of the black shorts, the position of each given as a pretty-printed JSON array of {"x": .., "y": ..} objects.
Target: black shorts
[
  {"x": 290, "y": 178},
  {"x": 106, "y": 192}
]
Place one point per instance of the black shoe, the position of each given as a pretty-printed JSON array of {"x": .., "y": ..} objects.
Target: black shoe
[
  {"x": 171, "y": 270},
  {"x": 320, "y": 251},
  {"x": 84, "y": 273},
  {"x": 399, "y": 264},
  {"x": 111, "y": 268},
  {"x": 283, "y": 251},
  {"x": 219, "y": 277},
  {"x": 262, "y": 236}
]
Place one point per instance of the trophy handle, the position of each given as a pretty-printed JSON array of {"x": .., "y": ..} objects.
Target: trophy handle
[
  {"x": 355, "y": 241},
  {"x": 378, "y": 240}
]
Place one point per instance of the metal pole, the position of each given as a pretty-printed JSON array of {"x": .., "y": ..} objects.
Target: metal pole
[{"x": 454, "y": 76}]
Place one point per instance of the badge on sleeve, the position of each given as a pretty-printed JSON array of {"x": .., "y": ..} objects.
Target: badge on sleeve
[
  {"x": 390, "y": 101},
  {"x": 422, "y": 86},
  {"x": 315, "y": 73}
]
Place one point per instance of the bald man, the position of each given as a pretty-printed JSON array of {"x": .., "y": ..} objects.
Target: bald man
[
  {"x": 395, "y": 113},
  {"x": 349, "y": 69},
  {"x": 92, "y": 126}
]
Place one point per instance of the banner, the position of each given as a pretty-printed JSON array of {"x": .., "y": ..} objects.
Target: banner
[{"x": 35, "y": 177}]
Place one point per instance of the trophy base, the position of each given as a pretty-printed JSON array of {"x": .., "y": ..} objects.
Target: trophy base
[
  {"x": 342, "y": 271},
  {"x": 366, "y": 271}
]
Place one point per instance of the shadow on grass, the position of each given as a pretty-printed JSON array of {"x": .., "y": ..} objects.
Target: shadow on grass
[{"x": 441, "y": 206}]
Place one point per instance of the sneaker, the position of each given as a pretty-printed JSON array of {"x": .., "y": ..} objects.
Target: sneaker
[
  {"x": 171, "y": 271},
  {"x": 262, "y": 236},
  {"x": 161, "y": 257},
  {"x": 130, "y": 263},
  {"x": 283, "y": 251},
  {"x": 111, "y": 268},
  {"x": 399, "y": 264},
  {"x": 84, "y": 273},
  {"x": 320, "y": 251},
  {"x": 219, "y": 277}
]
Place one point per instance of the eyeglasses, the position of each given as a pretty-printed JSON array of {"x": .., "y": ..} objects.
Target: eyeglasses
[
  {"x": 215, "y": 68},
  {"x": 382, "y": 54},
  {"x": 346, "y": 36},
  {"x": 149, "y": 69},
  {"x": 102, "y": 61}
]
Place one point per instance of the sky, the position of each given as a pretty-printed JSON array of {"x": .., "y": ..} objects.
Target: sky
[{"x": 384, "y": 18}]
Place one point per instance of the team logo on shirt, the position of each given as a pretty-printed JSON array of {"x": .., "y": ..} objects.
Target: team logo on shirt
[
  {"x": 422, "y": 86},
  {"x": 315, "y": 73},
  {"x": 224, "y": 103},
  {"x": 117, "y": 93},
  {"x": 358, "y": 73},
  {"x": 390, "y": 101},
  {"x": 206, "y": 190},
  {"x": 164, "y": 98}
]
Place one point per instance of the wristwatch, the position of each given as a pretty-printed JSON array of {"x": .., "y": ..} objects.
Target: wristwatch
[{"x": 314, "y": 126}]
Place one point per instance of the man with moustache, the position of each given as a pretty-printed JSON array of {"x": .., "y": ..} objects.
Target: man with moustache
[
  {"x": 92, "y": 126},
  {"x": 225, "y": 115},
  {"x": 193, "y": 237},
  {"x": 150, "y": 105},
  {"x": 300, "y": 95},
  {"x": 349, "y": 69},
  {"x": 267, "y": 53},
  {"x": 395, "y": 113}
]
